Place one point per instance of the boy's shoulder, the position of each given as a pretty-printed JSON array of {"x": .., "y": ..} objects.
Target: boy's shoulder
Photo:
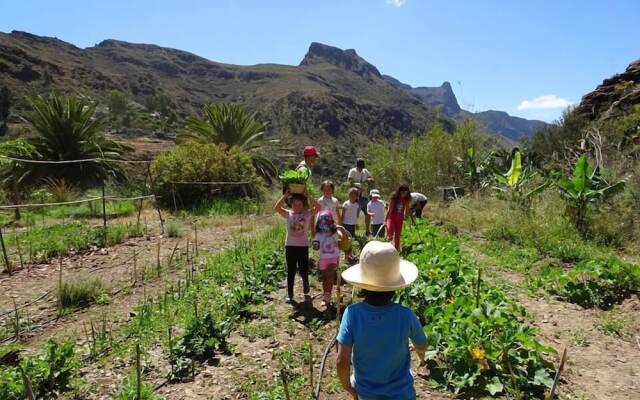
[{"x": 409, "y": 313}]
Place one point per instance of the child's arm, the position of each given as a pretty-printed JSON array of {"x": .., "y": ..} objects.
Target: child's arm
[
  {"x": 345, "y": 237},
  {"x": 314, "y": 206},
  {"x": 343, "y": 367},
  {"x": 340, "y": 212},
  {"x": 279, "y": 206},
  {"x": 421, "y": 349},
  {"x": 343, "y": 232}
]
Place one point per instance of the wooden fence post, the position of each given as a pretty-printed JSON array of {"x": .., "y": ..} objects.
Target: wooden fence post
[
  {"x": 135, "y": 272},
  {"x": 285, "y": 384},
  {"x": 18, "y": 249},
  {"x": 104, "y": 217},
  {"x": 478, "y": 287},
  {"x": 138, "y": 374},
  {"x": 155, "y": 200},
  {"x": 7, "y": 264},
  {"x": 195, "y": 239}
]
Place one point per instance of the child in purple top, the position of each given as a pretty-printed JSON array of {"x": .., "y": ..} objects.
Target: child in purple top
[{"x": 299, "y": 218}]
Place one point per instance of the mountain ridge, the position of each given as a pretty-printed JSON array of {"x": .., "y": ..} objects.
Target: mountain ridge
[{"x": 331, "y": 93}]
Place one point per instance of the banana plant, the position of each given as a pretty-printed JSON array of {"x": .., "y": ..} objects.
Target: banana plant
[
  {"x": 474, "y": 172},
  {"x": 585, "y": 187},
  {"x": 515, "y": 181}
]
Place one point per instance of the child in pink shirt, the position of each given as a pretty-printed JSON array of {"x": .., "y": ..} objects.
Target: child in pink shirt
[{"x": 327, "y": 241}]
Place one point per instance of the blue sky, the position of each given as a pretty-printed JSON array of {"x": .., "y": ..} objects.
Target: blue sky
[{"x": 529, "y": 58}]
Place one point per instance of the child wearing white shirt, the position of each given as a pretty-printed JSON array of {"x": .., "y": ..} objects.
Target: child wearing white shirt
[
  {"x": 375, "y": 209},
  {"x": 350, "y": 212}
]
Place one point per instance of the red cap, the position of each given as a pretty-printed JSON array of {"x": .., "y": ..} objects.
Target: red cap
[{"x": 310, "y": 151}]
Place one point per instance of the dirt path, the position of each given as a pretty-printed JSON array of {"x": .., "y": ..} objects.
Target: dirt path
[
  {"x": 114, "y": 266},
  {"x": 602, "y": 365},
  {"x": 253, "y": 371}
]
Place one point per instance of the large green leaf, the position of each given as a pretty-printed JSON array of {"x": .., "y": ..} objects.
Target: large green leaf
[
  {"x": 582, "y": 174},
  {"x": 495, "y": 386},
  {"x": 513, "y": 175}
]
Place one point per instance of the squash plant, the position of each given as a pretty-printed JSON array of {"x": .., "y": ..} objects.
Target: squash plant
[
  {"x": 584, "y": 188},
  {"x": 513, "y": 184},
  {"x": 475, "y": 343}
]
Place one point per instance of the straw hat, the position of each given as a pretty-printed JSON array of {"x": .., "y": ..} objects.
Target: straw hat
[{"x": 381, "y": 269}]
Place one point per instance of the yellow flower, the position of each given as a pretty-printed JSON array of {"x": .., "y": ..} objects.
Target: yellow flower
[
  {"x": 451, "y": 300},
  {"x": 477, "y": 353}
]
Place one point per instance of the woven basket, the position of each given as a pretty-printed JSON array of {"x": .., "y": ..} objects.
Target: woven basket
[{"x": 297, "y": 188}]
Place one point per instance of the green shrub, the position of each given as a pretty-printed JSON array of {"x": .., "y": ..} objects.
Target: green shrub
[
  {"x": 174, "y": 229},
  {"x": 77, "y": 293},
  {"x": 192, "y": 162},
  {"x": 598, "y": 283}
]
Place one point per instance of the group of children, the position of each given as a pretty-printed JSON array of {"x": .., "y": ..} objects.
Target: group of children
[{"x": 332, "y": 225}]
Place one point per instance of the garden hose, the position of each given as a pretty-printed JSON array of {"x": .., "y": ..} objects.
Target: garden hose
[{"x": 316, "y": 394}]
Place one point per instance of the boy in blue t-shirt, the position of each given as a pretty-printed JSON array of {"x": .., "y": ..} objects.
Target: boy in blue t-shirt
[{"x": 376, "y": 334}]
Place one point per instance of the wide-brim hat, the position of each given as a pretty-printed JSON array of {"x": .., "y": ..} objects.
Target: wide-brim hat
[
  {"x": 381, "y": 269},
  {"x": 374, "y": 193}
]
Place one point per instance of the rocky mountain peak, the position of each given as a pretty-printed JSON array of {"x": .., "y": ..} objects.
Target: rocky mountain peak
[
  {"x": 613, "y": 95},
  {"x": 319, "y": 53},
  {"x": 442, "y": 95}
]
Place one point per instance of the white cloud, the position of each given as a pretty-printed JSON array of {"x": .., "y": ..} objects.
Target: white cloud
[
  {"x": 396, "y": 3},
  {"x": 547, "y": 101}
]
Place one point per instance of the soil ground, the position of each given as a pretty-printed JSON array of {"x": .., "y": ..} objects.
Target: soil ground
[{"x": 601, "y": 365}]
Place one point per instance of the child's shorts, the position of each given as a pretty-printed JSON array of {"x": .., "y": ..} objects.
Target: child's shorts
[{"x": 326, "y": 262}]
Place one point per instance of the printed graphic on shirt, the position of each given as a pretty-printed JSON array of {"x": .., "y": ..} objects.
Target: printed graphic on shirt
[{"x": 297, "y": 224}]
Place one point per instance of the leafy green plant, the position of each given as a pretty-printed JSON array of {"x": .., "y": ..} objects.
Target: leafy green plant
[
  {"x": 473, "y": 170},
  {"x": 175, "y": 170},
  {"x": 229, "y": 124},
  {"x": 477, "y": 339},
  {"x": 129, "y": 390},
  {"x": 202, "y": 338},
  {"x": 50, "y": 373},
  {"x": 585, "y": 188},
  {"x": 293, "y": 176},
  {"x": 514, "y": 182},
  {"x": 600, "y": 283},
  {"x": 65, "y": 128}
]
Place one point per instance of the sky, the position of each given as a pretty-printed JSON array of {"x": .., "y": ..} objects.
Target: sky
[{"x": 529, "y": 58}]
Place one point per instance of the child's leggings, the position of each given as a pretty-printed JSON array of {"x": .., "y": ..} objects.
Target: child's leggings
[
  {"x": 394, "y": 227},
  {"x": 297, "y": 259}
]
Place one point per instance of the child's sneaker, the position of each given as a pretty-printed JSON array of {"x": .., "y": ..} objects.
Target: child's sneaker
[{"x": 288, "y": 299}]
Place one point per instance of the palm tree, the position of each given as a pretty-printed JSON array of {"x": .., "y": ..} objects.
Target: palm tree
[
  {"x": 230, "y": 124},
  {"x": 64, "y": 128}
]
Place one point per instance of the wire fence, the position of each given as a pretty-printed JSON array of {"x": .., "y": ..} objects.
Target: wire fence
[{"x": 85, "y": 160}]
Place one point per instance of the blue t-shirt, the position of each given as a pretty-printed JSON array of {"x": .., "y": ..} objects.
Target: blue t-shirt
[{"x": 379, "y": 337}]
